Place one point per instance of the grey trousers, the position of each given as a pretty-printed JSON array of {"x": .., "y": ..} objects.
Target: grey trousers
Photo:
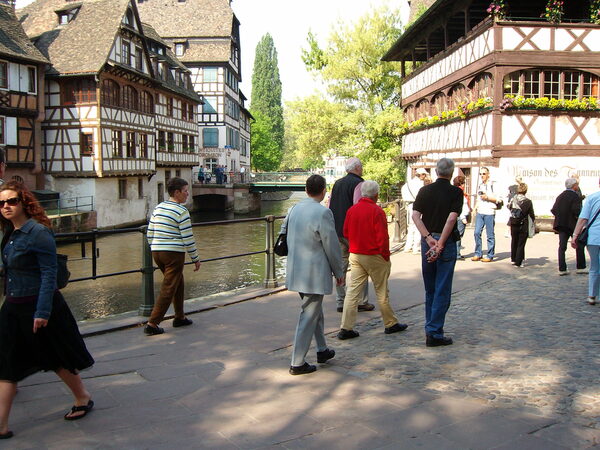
[
  {"x": 340, "y": 291},
  {"x": 310, "y": 323}
]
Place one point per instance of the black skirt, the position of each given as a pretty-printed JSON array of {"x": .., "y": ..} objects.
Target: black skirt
[{"x": 57, "y": 345}]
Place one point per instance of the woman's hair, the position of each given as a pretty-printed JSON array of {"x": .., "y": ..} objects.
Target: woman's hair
[
  {"x": 522, "y": 188},
  {"x": 31, "y": 207},
  {"x": 459, "y": 180}
]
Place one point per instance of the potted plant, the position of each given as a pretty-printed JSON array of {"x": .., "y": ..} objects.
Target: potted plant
[{"x": 497, "y": 10}]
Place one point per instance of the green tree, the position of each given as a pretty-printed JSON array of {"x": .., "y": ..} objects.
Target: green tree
[
  {"x": 319, "y": 127},
  {"x": 350, "y": 65},
  {"x": 266, "y": 102},
  {"x": 266, "y": 154},
  {"x": 362, "y": 118}
]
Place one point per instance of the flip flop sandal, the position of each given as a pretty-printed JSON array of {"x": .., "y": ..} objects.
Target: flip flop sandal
[
  {"x": 6, "y": 435},
  {"x": 85, "y": 408}
]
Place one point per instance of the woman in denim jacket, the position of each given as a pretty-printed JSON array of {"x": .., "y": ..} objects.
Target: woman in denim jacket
[{"x": 37, "y": 329}]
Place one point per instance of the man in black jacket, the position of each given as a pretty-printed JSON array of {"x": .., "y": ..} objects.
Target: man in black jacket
[
  {"x": 566, "y": 210},
  {"x": 342, "y": 198}
]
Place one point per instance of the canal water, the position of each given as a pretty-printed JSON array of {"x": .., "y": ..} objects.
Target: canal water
[{"x": 121, "y": 252}]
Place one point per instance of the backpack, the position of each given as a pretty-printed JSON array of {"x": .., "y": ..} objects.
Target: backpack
[{"x": 516, "y": 213}]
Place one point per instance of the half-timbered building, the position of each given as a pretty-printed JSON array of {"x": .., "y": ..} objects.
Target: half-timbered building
[
  {"x": 118, "y": 107},
  {"x": 21, "y": 101},
  {"x": 503, "y": 88},
  {"x": 210, "y": 47}
]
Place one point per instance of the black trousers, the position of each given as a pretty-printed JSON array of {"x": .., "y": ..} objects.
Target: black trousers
[
  {"x": 519, "y": 235},
  {"x": 563, "y": 240}
]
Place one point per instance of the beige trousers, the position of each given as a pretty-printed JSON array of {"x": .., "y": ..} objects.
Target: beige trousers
[{"x": 363, "y": 267}]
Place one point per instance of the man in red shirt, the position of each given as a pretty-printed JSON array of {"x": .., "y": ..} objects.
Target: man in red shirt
[{"x": 365, "y": 228}]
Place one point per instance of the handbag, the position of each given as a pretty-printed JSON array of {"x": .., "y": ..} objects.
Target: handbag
[
  {"x": 583, "y": 236},
  {"x": 281, "y": 248},
  {"x": 62, "y": 271}
]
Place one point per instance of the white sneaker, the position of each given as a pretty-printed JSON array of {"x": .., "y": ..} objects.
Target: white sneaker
[
  {"x": 563, "y": 272},
  {"x": 591, "y": 300},
  {"x": 582, "y": 271}
]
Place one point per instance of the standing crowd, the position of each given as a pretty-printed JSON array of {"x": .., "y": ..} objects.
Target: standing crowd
[{"x": 39, "y": 333}]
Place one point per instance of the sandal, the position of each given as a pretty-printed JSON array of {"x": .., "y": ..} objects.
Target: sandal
[
  {"x": 85, "y": 408},
  {"x": 6, "y": 435}
]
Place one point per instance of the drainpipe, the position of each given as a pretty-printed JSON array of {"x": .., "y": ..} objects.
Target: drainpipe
[{"x": 37, "y": 128}]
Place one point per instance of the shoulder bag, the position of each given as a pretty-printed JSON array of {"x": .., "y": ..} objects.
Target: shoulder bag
[
  {"x": 281, "y": 247},
  {"x": 583, "y": 236}
]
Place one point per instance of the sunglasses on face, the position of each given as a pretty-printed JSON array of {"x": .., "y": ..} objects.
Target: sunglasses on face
[{"x": 13, "y": 201}]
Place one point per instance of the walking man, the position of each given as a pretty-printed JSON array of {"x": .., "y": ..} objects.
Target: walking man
[
  {"x": 435, "y": 212},
  {"x": 366, "y": 230},
  {"x": 486, "y": 216},
  {"x": 409, "y": 193},
  {"x": 313, "y": 255},
  {"x": 342, "y": 198},
  {"x": 170, "y": 237},
  {"x": 566, "y": 209}
]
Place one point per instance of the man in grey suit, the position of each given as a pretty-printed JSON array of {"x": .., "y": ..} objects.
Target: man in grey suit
[{"x": 313, "y": 255}]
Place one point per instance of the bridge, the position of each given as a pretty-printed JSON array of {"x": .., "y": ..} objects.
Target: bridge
[{"x": 242, "y": 192}]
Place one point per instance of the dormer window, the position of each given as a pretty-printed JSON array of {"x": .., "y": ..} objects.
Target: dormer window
[
  {"x": 67, "y": 14},
  {"x": 179, "y": 48}
]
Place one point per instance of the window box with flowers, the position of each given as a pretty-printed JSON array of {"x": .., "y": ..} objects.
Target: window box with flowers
[
  {"x": 549, "y": 104},
  {"x": 464, "y": 111}
]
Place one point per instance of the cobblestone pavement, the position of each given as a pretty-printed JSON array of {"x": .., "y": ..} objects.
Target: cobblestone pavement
[{"x": 528, "y": 340}]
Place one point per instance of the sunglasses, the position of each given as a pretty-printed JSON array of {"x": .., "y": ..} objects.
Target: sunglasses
[{"x": 13, "y": 201}]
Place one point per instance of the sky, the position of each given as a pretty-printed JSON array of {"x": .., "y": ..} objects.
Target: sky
[{"x": 289, "y": 22}]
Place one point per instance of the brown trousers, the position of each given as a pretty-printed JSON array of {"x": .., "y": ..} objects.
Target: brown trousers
[{"x": 171, "y": 291}]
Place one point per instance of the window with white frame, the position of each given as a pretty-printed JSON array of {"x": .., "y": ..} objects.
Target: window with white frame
[
  {"x": 179, "y": 48},
  {"x": 210, "y": 105},
  {"x": 209, "y": 74}
]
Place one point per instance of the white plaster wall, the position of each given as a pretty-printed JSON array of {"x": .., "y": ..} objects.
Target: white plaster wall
[{"x": 546, "y": 177}]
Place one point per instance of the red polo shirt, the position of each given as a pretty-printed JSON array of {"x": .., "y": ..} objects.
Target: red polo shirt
[{"x": 366, "y": 229}]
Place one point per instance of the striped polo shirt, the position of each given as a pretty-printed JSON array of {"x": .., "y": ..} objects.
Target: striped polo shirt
[{"x": 170, "y": 230}]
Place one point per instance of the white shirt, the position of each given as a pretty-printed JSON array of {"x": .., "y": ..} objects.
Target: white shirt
[
  {"x": 484, "y": 206},
  {"x": 410, "y": 189}
]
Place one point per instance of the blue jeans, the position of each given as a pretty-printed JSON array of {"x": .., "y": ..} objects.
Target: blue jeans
[
  {"x": 488, "y": 220},
  {"x": 594, "y": 277},
  {"x": 437, "y": 278}
]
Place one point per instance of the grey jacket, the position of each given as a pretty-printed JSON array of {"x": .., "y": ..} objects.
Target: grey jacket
[{"x": 313, "y": 248}]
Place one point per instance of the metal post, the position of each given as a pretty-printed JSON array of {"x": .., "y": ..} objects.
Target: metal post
[
  {"x": 147, "y": 276},
  {"x": 94, "y": 253},
  {"x": 270, "y": 280}
]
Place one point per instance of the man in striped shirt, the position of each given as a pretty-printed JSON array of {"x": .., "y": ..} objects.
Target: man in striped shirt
[{"x": 170, "y": 237}]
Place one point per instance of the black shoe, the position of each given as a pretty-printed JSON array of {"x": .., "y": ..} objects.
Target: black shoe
[
  {"x": 325, "y": 355},
  {"x": 396, "y": 328},
  {"x": 182, "y": 322},
  {"x": 366, "y": 307},
  {"x": 153, "y": 331},
  {"x": 340, "y": 309},
  {"x": 437, "y": 342},
  {"x": 303, "y": 369},
  {"x": 6, "y": 435},
  {"x": 347, "y": 334}
]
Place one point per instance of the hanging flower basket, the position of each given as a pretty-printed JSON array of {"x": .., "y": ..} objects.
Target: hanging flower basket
[
  {"x": 554, "y": 11},
  {"x": 497, "y": 10}
]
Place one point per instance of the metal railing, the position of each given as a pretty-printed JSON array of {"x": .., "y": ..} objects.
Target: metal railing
[
  {"x": 279, "y": 177},
  {"x": 70, "y": 205},
  {"x": 148, "y": 267}
]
